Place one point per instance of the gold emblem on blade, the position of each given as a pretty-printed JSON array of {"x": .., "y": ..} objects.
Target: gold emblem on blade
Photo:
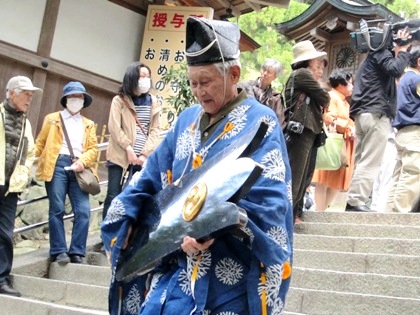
[{"x": 194, "y": 201}]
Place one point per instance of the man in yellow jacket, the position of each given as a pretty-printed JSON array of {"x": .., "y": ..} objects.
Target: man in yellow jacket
[
  {"x": 57, "y": 166},
  {"x": 16, "y": 159}
]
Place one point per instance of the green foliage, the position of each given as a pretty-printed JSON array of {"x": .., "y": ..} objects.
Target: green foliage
[
  {"x": 260, "y": 26},
  {"x": 407, "y": 9},
  {"x": 177, "y": 77}
]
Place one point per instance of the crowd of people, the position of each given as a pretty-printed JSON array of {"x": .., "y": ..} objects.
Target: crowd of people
[
  {"x": 239, "y": 273},
  {"x": 67, "y": 145}
]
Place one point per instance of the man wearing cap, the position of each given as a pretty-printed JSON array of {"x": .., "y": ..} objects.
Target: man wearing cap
[
  {"x": 54, "y": 155},
  {"x": 227, "y": 274},
  {"x": 16, "y": 159}
]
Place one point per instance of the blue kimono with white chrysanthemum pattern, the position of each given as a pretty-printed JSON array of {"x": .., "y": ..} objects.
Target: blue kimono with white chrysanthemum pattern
[{"x": 235, "y": 275}]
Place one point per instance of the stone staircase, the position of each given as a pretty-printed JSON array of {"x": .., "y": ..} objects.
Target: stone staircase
[
  {"x": 356, "y": 263},
  {"x": 344, "y": 263},
  {"x": 52, "y": 289}
]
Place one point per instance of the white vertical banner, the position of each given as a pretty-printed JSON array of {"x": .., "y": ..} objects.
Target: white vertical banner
[{"x": 164, "y": 46}]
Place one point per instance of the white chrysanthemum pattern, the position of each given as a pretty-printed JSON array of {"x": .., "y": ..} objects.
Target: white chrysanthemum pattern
[
  {"x": 113, "y": 271},
  {"x": 164, "y": 179},
  {"x": 185, "y": 143},
  {"x": 274, "y": 167},
  {"x": 203, "y": 260},
  {"x": 279, "y": 235},
  {"x": 133, "y": 300},
  {"x": 136, "y": 176},
  {"x": 278, "y": 307},
  {"x": 163, "y": 297},
  {"x": 228, "y": 271},
  {"x": 273, "y": 281},
  {"x": 155, "y": 280},
  {"x": 290, "y": 191},
  {"x": 269, "y": 120},
  {"x": 249, "y": 232},
  {"x": 238, "y": 118},
  {"x": 115, "y": 212},
  {"x": 238, "y": 112},
  {"x": 184, "y": 282}
]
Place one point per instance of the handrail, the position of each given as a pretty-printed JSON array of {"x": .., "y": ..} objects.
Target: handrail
[
  {"x": 26, "y": 202},
  {"x": 39, "y": 224},
  {"x": 101, "y": 147}
]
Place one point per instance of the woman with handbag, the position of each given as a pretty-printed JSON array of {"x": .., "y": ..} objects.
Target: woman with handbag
[
  {"x": 305, "y": 101},
  {"x": 134, "y": 128},
  {"x": 330, "y": 182},
  {"x": 57, "y": 152}
]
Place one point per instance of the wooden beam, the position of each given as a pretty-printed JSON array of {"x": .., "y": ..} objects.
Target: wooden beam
[
  {"x": 132, "y": 5},
  {"x": 352, "y": 26},
  {"x": 49, "y": 23},
  {"x": 226, "y": 4},
  {"x": 39, "y": 79},
  {"x": 246, "y": 43},
  {"x": 284, "y": 4},
  {"x": 254, "y": 6},
  {"x": 342, "y": 36},
  {"x": 320, "y": 34},
  {"x": 57, "y": 67}
]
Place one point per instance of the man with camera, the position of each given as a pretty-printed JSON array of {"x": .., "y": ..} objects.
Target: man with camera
[
  {"x": 305, "y": 103},
  {"x": 373, "y": 107}
]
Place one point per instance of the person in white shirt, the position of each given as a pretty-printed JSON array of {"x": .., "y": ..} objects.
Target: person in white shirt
[{"x": 55, "y": 154}]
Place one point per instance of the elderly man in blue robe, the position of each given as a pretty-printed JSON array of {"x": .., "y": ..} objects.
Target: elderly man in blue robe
[{"x": 224, "y": 273}]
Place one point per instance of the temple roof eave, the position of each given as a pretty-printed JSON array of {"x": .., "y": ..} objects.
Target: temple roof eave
[{"x": 319, "y": 7}]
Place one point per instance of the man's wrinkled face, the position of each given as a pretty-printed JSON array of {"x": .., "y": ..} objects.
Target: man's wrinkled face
[
  {"x": 208, "y": 86},
  {"x": 21, "y": 101},
  {"x": 268, "y": 75}
]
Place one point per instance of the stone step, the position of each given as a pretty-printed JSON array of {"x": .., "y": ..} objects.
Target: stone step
[
  {"x": 359, "y": 230},
  {"x": 24, "y": 306},
  {"x": 351, "y": 282},
  {"x": 321, "y": 302},
  {"x": 357, "y": 244},
  {"x": 97, "y": 259},
  {"x": 62, "y": 292},
  {"x": 81, "y": 273},
  {"x": 410, "y": 219},
  {"x": 400, "y": 265}
]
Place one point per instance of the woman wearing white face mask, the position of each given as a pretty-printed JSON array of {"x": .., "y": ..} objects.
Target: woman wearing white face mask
[
  {"x": 134, "y": 127},
  {"x": 54, "y": 154}
]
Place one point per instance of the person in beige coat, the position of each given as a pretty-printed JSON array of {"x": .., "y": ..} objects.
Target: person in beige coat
[{"x": 134, "y": 127}]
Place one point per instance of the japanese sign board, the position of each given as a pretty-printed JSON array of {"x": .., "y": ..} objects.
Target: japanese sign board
[{"x": 164, "y": 45}]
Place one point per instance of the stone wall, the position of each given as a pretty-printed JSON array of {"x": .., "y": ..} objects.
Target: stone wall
[{"x": 37, "y": 212}]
